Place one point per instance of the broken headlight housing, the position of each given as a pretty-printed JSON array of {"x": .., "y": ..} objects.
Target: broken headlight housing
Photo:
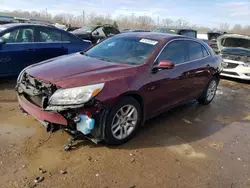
[{"x": 75, "y": 96}]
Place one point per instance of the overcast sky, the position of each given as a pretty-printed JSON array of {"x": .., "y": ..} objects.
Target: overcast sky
[{"x": 200, "y": 12}]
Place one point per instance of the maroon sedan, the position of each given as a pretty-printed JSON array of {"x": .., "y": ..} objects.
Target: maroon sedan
[{"x": 109, "y": 91}]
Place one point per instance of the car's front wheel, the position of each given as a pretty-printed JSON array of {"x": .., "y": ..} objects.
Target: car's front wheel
[
  {"x": 123, "y": 121},
  {"x": 210, "y": 92}
]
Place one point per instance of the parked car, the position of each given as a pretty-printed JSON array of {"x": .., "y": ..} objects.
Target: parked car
[
  {"x": 185, "y": 32},
  {"x": 95, "y": 33},
  {"x": 24, "y": 44},
  {"x": 133, "y": 30},
  {"x": 111, "y": 89},
  {"x": 212, "y": 37},
  {"x": 235, "y": 51}
]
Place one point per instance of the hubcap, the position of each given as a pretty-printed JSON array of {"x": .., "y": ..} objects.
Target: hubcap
[
  {"x": 124, "y": 122},
  {"x": 211, "y": 90}
]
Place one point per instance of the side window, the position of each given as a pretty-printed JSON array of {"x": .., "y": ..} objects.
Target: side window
[
  {"x": 175, "y": 51},
  {"x": 20, "y": 35},
  {"x": 100, "y": 31},
  {"x": 67, "y": 38},
  {"x": 49, "y": 35},
  {"x": 113, "y": 30},
  {"x": 195, "y": 50},
  {"x": 205, "y": 53}
]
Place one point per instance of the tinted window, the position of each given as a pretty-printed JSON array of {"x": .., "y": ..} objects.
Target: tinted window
[
  {"x": 175, "y": 51},
  {"x": 49, "y": 35},
  {"x": 195, "y": 50},
  {"x": 111, "y": 30},
  {"x": 68, "y": 38},
  {"x": 19, "y": 35},
  {"x": 205, "y": 53}
]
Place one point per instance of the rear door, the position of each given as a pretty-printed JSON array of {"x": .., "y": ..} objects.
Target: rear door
[
  {"x": 73, "y": 44},
  {"x": 50, "y": 43},
  {"x": 19, "y": 50},
  {"x": 197, "y": 68}
]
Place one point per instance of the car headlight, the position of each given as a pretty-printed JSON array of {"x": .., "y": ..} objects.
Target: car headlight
[{"x": 75, "y": 96}]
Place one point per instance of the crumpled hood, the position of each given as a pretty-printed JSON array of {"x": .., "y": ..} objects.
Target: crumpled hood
[
  {"x": 76, "y": 70},
  {"x": 234, "y": 44}
]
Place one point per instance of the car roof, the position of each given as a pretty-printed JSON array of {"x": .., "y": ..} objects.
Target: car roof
[
  {"x": 22, "y": 24},
  {"x": 153, "y": 35},
  {"x": 176, "y": 29}
]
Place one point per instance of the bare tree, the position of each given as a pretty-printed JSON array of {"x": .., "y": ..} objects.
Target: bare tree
[
  {"x": 224, "y": 27},
  {"x": 167, "y": 22}
]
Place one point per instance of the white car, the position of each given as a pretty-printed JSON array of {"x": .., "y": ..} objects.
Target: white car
[{"x": 235, "y": 51}]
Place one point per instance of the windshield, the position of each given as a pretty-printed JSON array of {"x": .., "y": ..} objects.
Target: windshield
[
  {"x": 87, "y": 28},
  {"x": 126, "y": 50},
  {"x": 235, "y": 42}
]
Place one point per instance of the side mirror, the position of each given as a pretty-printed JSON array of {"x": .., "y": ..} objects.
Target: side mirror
[
  {"x": 165, "y": 65},
  {"x": 2, "y": 41}
]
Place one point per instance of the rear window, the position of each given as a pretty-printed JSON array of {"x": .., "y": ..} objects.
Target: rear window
[{"x": 195, "y": 51}]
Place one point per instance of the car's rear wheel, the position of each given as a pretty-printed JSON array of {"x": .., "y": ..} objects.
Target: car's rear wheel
[
  {"x": 210, "y": 92},
  {"x": 123, "y": 121}
]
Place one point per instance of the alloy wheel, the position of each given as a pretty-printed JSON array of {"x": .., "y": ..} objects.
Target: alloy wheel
[{"x": 124, "y": 122}]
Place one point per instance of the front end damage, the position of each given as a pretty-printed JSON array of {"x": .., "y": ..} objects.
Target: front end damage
[
  {"x": 235, "y": 51},
  {"x": 80, "y": 119}
]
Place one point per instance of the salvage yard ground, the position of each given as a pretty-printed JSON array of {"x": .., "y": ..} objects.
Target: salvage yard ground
[{"x": 190, "y": 146}]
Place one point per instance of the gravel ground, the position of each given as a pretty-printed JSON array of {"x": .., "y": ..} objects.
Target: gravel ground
[{"x": 189, "y": 146}]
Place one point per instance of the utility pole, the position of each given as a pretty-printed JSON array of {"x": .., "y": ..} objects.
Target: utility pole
[
  {"x": 158, "y": 21},
  {"x": 83, "y": 17}
]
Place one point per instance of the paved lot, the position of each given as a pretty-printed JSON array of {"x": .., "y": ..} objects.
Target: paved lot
[{"x": 190, "y": 146}]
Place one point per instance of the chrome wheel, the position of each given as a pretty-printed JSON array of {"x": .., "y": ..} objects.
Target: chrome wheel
[
  {"x": 124, "y": 122},
  {"x": 211, "y": 90}
]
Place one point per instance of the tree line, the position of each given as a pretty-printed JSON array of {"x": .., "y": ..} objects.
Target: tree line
[{"x": 126, "y": 22}]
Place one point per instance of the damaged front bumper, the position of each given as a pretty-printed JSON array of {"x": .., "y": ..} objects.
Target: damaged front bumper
[
  {"x": 68, "y": 119},
  {"x": 87, "y": 119}
]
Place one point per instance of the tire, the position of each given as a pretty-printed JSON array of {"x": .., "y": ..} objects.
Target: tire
[
  {"x": 111, "y": 134},
  {"x": 205, "y": 98}
]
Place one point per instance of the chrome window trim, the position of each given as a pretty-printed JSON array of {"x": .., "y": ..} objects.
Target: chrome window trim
[
  {"x": 38, "y": 42},
  {"x": 183, "y": 39}
]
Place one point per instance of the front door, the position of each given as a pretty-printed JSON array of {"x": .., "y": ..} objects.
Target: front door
[
  {"x": 167, "y": 87},
  {"x": 18, "y": 51}
]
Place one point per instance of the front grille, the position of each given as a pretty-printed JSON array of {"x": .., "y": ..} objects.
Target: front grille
[
  {"x": 36, "y": 91},
  {"x": 242, "y": 58},
  {"x": 231, "y": 73}
]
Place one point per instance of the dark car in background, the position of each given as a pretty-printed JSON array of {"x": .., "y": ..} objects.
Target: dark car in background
[
  {"x": 133, "y": 30},
  {"x": 110, "y": 90},
  {"x": 212, "y": 37},
  {"x": 24, "y": 44},
  {"x": 95, "y": 33},
  {"x": 185, "y": 32}
]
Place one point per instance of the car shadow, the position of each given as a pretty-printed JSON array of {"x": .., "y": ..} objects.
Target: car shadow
[
  {"x": 8, "y": 83},
  {"x": 235, "y": 80},
  {"x": 190, "y": 122}
]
